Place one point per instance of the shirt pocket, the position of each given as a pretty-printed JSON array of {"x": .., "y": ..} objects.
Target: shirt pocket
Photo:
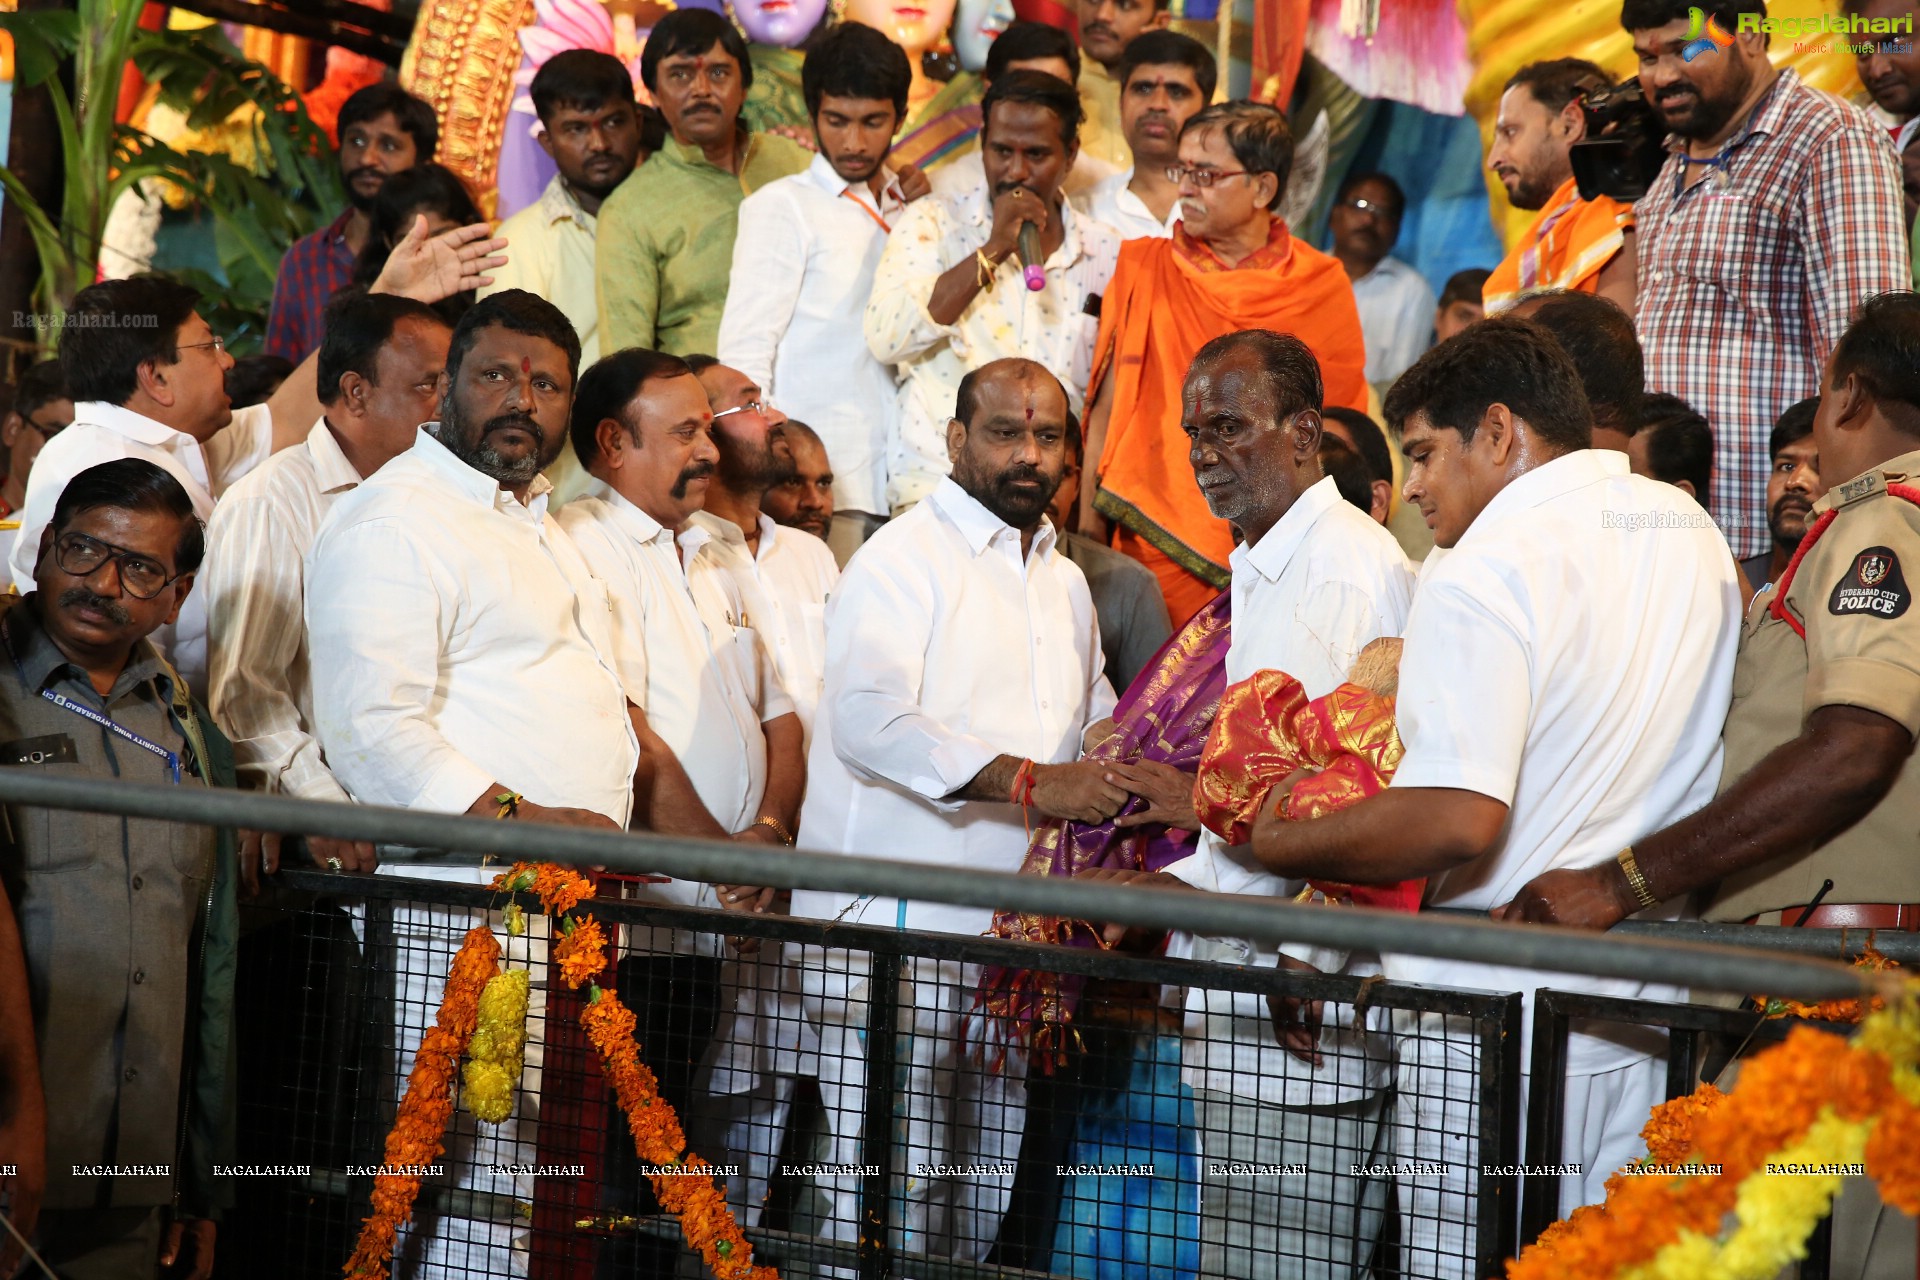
[
  {"x": 52, "y": 841},
  {"x": 1738, "y": 245}
]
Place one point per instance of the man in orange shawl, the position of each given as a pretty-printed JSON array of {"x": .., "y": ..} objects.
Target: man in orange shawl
[
  {"x": 1585, "y": 246},
  {"x": 1231, "y": 264}
]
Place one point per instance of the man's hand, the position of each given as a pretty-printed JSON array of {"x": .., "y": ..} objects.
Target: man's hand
[
  {"x": 430, "y": 268},
  {"x": 1270, "y": 829},
  {"x": 1078, "y": 791},
  {"x": 196, "y": 1234},
  {"x": 23, "y": 1147},
  {"x": 794, "y": 133},
  {"x": 914, "y": 183},
  {"x": 259, "y": 852},
  {"x": 747, "y": 900},
  {"x": 356, "y": 856},
  {"x": 1097, "y": 732},
  {"x": 1009, "y": 212},
  {"x": 1168, "y": 792},
  {"x": 1576, "y": 897},
  {"x": 531, "y": 812},
  {"x": 1296, "y": 1022},
  {"x": 1128, "y": 937}
]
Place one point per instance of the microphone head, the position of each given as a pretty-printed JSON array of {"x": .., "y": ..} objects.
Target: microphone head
[{"x": 1036, "y": 276}]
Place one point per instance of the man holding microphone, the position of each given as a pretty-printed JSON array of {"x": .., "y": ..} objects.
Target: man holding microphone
[{"x": 952, "y": 293}]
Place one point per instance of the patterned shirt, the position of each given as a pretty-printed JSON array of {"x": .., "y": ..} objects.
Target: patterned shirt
[
  {"x": 1747, "y": 279},
  {"x": 316, "y": 267}
]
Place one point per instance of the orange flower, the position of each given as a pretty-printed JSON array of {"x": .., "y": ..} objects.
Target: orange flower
[
  {"x": 560, "y": 889},
  {"x": 1851, "y": 1009},
  {"x": 581, "y": 952},
  {"x": 692, "y": 1197},
  {"x": 1893, "y": 1153},
  {"x": 420, "y": 1124}
]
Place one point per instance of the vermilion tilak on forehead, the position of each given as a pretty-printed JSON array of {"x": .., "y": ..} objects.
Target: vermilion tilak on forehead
[{"x": 526, "y": 364}]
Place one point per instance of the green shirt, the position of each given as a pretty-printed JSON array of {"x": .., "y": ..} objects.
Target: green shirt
[{"x": 665, "y": 243}]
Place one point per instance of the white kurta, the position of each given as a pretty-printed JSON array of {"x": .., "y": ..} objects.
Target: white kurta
[
  {"x": 1572, "y": 657},
  {"x": 1307, "y": 598},
  {"x": 255, "y": 588},
  {"x": 945, "y": 649},
  {"x": 205, "y": 469},
  {"x": 1112, "y": 201}
]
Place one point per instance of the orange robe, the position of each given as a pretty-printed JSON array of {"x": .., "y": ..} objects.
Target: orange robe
[
  {"x": 1566, "y": 248},
  {"x": 1169, "y": 298}
]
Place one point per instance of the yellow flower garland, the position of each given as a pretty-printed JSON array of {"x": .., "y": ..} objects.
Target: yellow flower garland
[{"x": 498, "y": 1049}]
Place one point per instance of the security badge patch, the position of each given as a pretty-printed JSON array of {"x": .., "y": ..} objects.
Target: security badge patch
[{"x": 1873, "y": 586}]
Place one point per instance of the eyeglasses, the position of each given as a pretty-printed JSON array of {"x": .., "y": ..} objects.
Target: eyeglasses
[
  {"x": 82, "y": 556},
  {"x": 761, "y": 406},
  {"x": 1202, "y": 178},
  {"x": 218, "y": 344},
  {"x": 47, "y": 431}
]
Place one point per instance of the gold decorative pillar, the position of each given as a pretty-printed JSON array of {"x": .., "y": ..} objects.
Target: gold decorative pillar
[{"x": 461, "y": 60}]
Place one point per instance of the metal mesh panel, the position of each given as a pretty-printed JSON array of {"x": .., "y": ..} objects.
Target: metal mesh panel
[{"x": 865, "y": 1115}]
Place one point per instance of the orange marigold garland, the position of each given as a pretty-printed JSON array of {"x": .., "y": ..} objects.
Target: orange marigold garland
[
  {"x": 1782, "y": 1092},
  {"x": 420, "y": 1125},
  {"x": 1851, "y": 1009}
]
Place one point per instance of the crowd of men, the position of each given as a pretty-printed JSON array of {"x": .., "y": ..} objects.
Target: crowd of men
[{"x": 522, "y": 534}]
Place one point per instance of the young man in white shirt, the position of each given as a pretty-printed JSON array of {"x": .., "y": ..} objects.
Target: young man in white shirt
[
  {"x": 1567, "y": 668},
  {"x": 1165, "y": 80},
  {"x": 643, "y": 429},
  {"x": 948, "y": 296},
  {"x": 148, "y": 379},
  {"x": 963, "y": 668},
  {"x": 1314, "y": 582},
  {"x": 381, "y": 364},
  {"x": 464, "y": 660},
  {"x": 784, "y": 575},
  {"x": 803, "y": 267}
]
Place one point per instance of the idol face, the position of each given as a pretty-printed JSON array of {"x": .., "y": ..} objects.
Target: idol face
[
  {"x": 976, "y": 25},
  {"x": 778, "y": 22},
  {"x": 915, "y": 24}
]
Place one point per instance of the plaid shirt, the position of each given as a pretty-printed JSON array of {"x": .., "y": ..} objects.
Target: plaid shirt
[
  {"x": 315, "y": 268},
  {"x": 1747, "y": 279}
]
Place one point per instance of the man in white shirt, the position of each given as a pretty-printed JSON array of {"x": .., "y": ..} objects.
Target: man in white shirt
[
  {"x": 1165, "y": 79},
  {"x": 591, "y": 129},
  {"x": 948, "y": 296},
  {"x": 1396, "y": 303},
  {"x": 1567, "y": 668},
  {"x": 465, "y": 660},
  {"x": 963, "y": 668},
  {"x": 148, "y": 380},
  {"x": 381, "y": 364},
  {"x": 1314, "y": 582},
  {"x": 643, "y": 429},
  {"x": 784, "y": 575},
  {"x": 803, "y": 268}
]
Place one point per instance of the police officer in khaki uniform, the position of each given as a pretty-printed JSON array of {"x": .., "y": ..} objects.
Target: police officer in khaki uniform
[{"x": 1819, "y": 782}]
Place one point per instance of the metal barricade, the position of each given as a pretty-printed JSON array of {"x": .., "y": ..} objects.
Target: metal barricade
[{"x": 1164, "y": 1140}]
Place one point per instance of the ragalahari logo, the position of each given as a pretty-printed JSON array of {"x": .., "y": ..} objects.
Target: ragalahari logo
[{"x": 1704, "y": 35}]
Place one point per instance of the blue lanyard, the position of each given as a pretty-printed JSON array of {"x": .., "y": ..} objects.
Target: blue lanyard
[
  {"x": 115, "y": 727},
  {"x": 100, "y": 718}
]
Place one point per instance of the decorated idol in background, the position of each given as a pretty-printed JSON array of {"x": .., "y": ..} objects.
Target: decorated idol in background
[
  {"x": 975, "y": 24},
  {"x": 779, "y": 22},
  {"x": 917, "y": 25}
]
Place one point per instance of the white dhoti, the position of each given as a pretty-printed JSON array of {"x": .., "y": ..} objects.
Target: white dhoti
[
  {"x": 447, "y": 1246},
  {"x": 957, "y": 1121}
]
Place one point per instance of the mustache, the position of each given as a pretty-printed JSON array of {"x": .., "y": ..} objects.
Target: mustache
[
  {"x": 1099, "y": 28},
  {"x": 518, "y": 418},
  {"x": 694, "y": 471},
  {"x": 362, "y": 171},
  {"x": 81, "y": 598}
]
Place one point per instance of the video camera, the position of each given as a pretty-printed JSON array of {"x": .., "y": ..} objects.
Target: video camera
[{"x": 1625, "y": 145}]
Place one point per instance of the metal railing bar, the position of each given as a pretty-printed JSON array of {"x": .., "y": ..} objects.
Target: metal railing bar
[{"x": 724, "y": 862}]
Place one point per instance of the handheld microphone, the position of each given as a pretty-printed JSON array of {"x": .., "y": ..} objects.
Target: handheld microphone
[{"x": 1032, "y": 261}]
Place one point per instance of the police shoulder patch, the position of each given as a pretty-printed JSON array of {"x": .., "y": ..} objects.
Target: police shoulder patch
[
  {"x": 1872, "y": 586},
  {"x": 1862, "y": 486}
]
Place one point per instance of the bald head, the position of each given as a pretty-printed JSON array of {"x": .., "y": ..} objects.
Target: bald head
[{"x": 1007, "y": 439}]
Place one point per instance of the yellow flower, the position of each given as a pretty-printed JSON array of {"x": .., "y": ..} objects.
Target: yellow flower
[{"x": 497, "y": 1048}]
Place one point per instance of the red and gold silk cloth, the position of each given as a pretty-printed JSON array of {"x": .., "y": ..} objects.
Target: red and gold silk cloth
[
  {"x": 1164, "y": 716},
  {"x": 1266, "y": 730},
  {"x": 1167, "y": 299}
]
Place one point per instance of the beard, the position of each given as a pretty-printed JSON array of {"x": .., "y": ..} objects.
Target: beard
[
  {"x": 483, "y": 457},
  {"x": 748, "y": 471},
  {"x": 1530, "y": 192},
  {"x": 1704, "y": 116},
  {"x": 1000, "y": 493},
  {"x": 1783, "y": 519},
  {"x": 360, "y": 201}
]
